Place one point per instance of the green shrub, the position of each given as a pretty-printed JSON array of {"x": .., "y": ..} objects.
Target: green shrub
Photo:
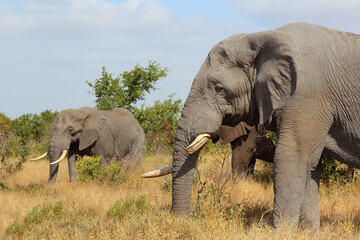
[
  {"x": 31, "y": 188},
  {"x": 167, "y": 186},
  {"x": 6, "y": 134},
  {"x": 22, "y": 127},
  {"x": 159, "y": 123},
  {"x": 15, "y": 229},
  {"x": 31, "y": 132},
  {"x": 42, "y": 212},
  {"x": 115, "y": 173},
  {"x": 129, "y": 206},
  {"x": 37, "y": 215},
  {"x": 19, "y": 147},
  {"x": 272, "y": 136},
  {"x": 90, "y": 169},
  {"x": 335, "y": 172},
  {"x": 4, "y": 187},
  {"x": 11, "y": 165}
]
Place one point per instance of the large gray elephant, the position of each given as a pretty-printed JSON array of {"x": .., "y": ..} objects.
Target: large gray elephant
[
  {"x": 303, "y": 81},
  {"x": 112, "y": 134},
  {"x": 248, "y": 143}
]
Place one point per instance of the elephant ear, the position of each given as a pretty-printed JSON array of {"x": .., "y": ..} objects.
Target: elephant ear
[
  {"x": 94, "y": 126},
  {"x": 229, "y": 134},
  {"x": 276, "y": 63}
]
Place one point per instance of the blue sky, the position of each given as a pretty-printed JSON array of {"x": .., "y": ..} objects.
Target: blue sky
[{"x": 49, "y": 48}]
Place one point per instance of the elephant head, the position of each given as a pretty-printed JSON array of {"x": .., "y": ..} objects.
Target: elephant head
[
  {"x": 246, "y": 77},
  {"x": 73, "y": 128}
]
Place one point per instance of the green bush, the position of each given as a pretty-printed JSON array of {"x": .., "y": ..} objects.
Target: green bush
[
  {"x": 15, "y": 229},
  {"x": 42, "y": 128},
  {"x": 31, "y": 132},
  {"x": 31, "y": 188},
  {"x": 4, "y": 186},
  {"x": 37, "y": 215},
  {"x": 159, "y": 123},
  {"x": 42, "y": 212},
  {"x": 19, "y": 147},
  {"x": 115, "y": 173},
  {"x": 6, "y": 135},
  {"x": 11, "y": 165},
  {"x": 335, "y": 172},
  {"x": 90, "y": 169},
  {"x": 123, "y": 208}
]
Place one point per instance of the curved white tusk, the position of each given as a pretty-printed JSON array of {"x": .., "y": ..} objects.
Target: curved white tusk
[
  {"x": 61, "y": 157},
  {"x": 159, "y": 172},
  {"x": 198, "y": 143},
  {"x": 37, "y": 158}
]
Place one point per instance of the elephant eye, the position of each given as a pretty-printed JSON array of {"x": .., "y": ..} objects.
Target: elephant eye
[
  {"x": 222, "y": 91},
  {"x": 71, "y": 130},
  {"x": 219, "y": 89}
]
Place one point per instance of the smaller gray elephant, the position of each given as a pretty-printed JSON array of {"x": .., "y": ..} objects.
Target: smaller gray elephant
[
  {"x": 248, "y": 143},
  {"x": 112, "y": 134}
]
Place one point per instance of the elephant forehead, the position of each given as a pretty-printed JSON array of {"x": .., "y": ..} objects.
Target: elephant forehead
[
  {"x": 70, "y": 116},
  {"x": 234, "y": 79}
]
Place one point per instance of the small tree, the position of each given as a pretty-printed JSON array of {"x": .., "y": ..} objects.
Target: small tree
[
  {"x": 6, "y": 134},
  {"x": 42, "y": 124},
  {"x": 22, "y": 127},
  {"x": 126, "y": 89},
  {"x": 159, "y": 122},
  {"x": 42, "y": 128},
  {"x": 29, "y": 127}
]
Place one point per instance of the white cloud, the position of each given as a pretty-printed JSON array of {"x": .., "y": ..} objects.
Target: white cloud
[
  {"x": 132, "y": 4},
  {"x": 83, "y": 16},
  {"x": 54, "y": 46},
  {"x": 343, "y": 15}
]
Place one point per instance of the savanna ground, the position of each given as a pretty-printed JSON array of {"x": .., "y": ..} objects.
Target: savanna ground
[{"x": 136, "y": 208}]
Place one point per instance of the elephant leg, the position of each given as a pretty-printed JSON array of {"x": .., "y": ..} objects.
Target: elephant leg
[
  {"x": 243, "y": 150},
  {"x": 238, "y": 164},
  {"x": 309, "y": 213},
  {"x": 265, "y": 149},
  {"x": 290, "y": 174},
  {"x": 72, "y": 158},
  {"x": 105, "y": 161},
  {"x": 251, "y": 166},
  {"x": 296, "y": 178}
]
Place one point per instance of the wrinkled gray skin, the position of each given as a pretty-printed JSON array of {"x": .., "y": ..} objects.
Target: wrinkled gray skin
[
  {"x": 112, "y": 134},
  {"x": 247, "y": 144},
  {"x": 304, "y": 77}
]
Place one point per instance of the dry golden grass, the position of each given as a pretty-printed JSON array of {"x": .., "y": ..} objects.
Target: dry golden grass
[{"x": 222, "y": 207}]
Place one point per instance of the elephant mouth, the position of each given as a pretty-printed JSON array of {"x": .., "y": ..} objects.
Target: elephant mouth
[
  {"x": 63, "y": 155},
  {"x": 199, "y": 141}
]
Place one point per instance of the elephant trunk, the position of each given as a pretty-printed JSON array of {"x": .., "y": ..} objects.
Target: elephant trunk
[
  {"x": 56, "y": 148},
  {"x": 183, "y": 169},
  {"x": 193, "y": 122}
]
